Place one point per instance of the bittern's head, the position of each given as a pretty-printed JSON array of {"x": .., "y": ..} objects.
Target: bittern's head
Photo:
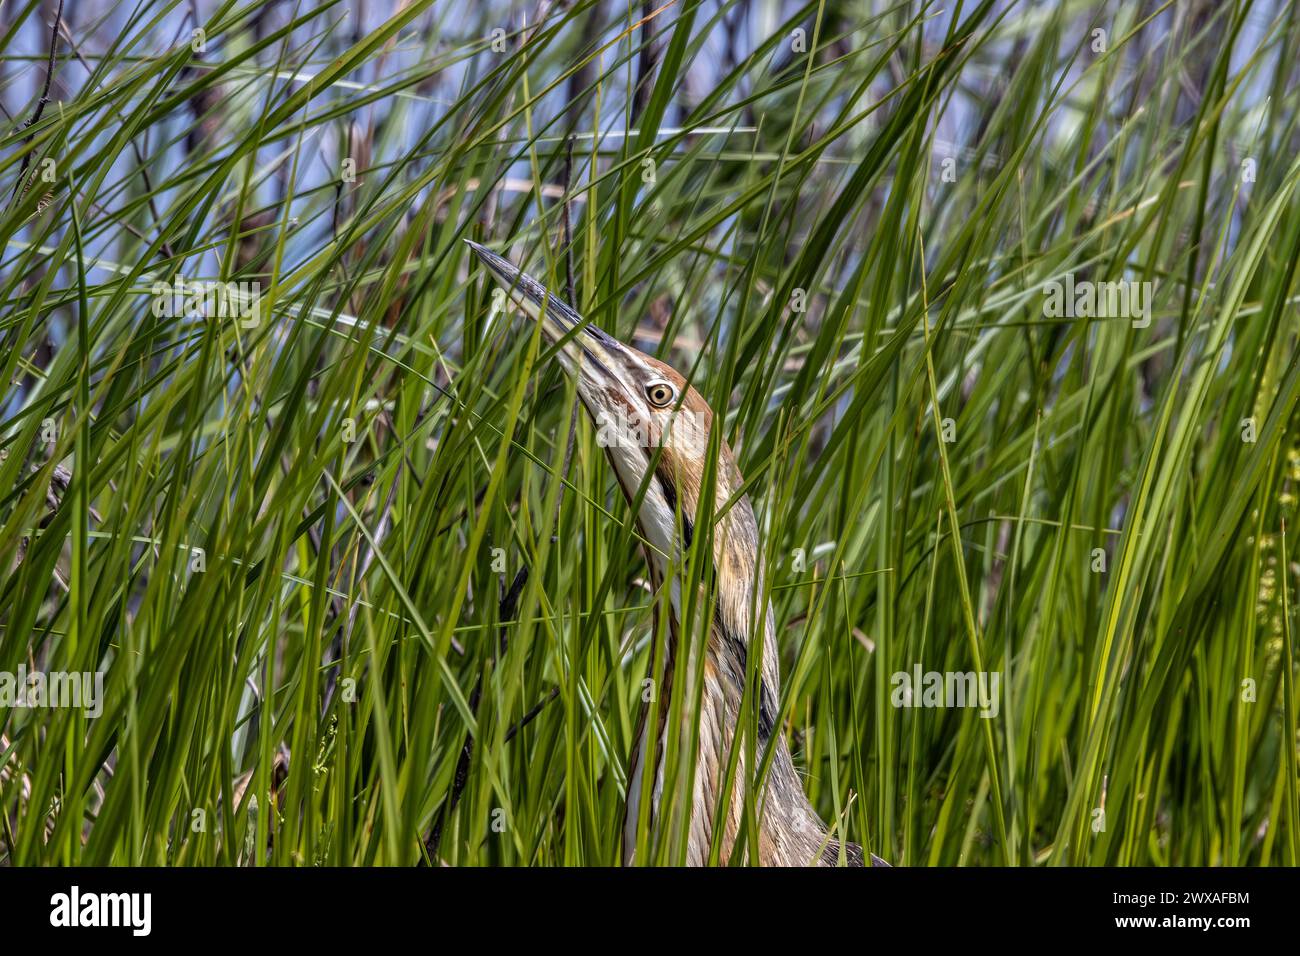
[{"x": 645, "y": 412}]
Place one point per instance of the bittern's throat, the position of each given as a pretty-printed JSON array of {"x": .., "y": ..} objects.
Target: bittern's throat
[{"x": 655, "y": 420}]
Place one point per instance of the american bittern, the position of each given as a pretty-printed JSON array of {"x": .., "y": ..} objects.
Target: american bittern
[{"x": 617, "y": 383}]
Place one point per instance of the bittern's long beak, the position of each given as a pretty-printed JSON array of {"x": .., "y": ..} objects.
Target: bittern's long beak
[{"x": 585, "y": 350}]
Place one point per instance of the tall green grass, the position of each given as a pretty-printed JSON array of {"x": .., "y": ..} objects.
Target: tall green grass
[{"x": 364, "y": 590}]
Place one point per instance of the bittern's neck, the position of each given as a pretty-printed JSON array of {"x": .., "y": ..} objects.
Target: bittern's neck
[{"x": 790, "y": 832}]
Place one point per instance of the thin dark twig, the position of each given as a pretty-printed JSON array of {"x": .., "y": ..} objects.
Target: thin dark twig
[
  {"x": 647, "y": 59},
  {"x": 135, "y": 148},
  {"x": 571, "y": 291},
  {"x": 49, "y": 68},
  {"x": 528, "y": 718},
  {"x": 506, "y": 610},
  {"x": 569, "y": 287},
  {"x": 45, "y": 98}
]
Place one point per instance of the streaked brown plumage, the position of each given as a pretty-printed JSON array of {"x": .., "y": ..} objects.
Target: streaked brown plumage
[{"x": 660, "y": 412}]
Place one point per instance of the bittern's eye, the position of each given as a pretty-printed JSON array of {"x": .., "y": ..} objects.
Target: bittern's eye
[{"x": 659, "y": 394}]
